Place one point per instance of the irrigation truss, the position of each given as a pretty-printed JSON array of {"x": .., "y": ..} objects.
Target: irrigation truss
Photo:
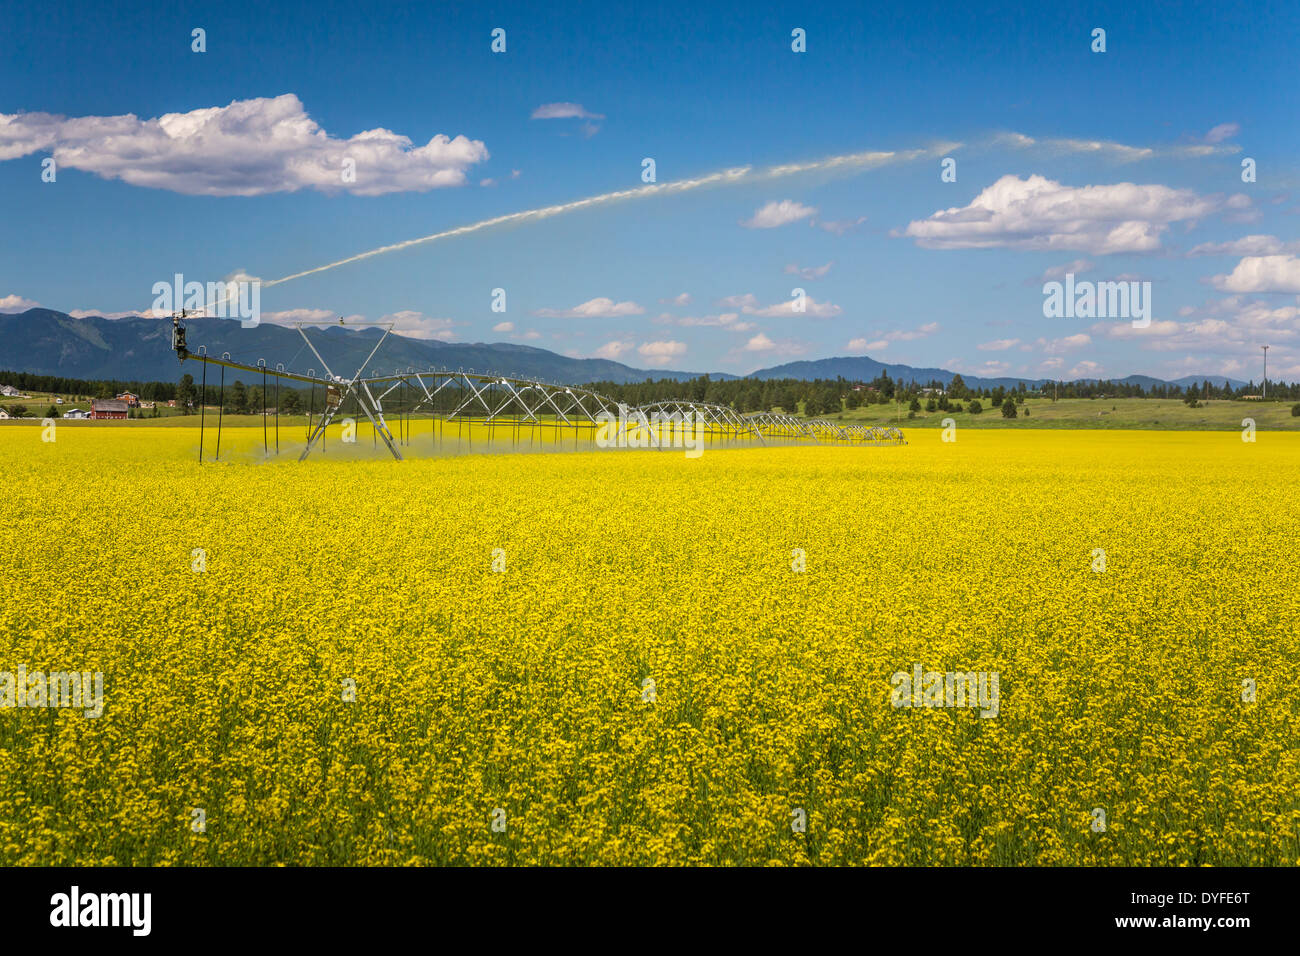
[{"x": 545, "y": 411}]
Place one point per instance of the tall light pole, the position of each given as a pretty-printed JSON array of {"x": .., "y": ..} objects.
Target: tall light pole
[{"x": 1265, "y": 393}]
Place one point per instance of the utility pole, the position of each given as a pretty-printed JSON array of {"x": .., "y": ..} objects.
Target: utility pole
[{"x": 1265, "y": 393}]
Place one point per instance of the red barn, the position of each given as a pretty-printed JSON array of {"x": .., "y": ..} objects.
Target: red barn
[{"x": 107, "y": 408}]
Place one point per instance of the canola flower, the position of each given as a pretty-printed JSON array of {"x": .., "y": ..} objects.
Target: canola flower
[{"x": 649, "y": 681}]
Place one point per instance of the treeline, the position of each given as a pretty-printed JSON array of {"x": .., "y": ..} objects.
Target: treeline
[
  {"x": 827, "y": 396},
  {"x": 816, "y": 397}
]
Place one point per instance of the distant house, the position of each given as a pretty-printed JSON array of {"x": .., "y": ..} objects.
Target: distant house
[
  {"x": 931, "y": 391},
  {"x": 8, "y": 391},
  {"x": 171, "y": 403},
  {"x": 108, "y": 408},
  {"x": 3, "y": 414},
  {"x": 76, "y": 413},
  {"x": 58, "y": 401},
  {"x": 131, "y": 399}
]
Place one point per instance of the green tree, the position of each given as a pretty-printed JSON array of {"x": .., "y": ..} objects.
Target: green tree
[
  {"x": 186, "y": 393},
  {"x": 914, "y": 405},
  {"x": 975, "y": 406},
  {"x": 1008, "y": 407},
  {"x": 237, "y": 400},
  {"x": 957, "y": 387},
  {"x": 52, "y": 412},
  {"x": 289, "y": 402}
]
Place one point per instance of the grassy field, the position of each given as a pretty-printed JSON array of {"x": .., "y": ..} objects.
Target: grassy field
[
  {"x": 1093, "y": 414},
  {"x": 633, "y": 657},
  {"x": 1133, "y": 413}
]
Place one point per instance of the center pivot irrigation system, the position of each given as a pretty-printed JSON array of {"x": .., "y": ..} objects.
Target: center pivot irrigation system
[{"x": 466, "y": 397}]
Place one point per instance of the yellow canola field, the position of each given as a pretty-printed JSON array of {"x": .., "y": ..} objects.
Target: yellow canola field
[{"x": 649, "y": 680}]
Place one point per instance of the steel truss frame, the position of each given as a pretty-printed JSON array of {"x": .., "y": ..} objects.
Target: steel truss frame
[{"x": 490, "y": 398}]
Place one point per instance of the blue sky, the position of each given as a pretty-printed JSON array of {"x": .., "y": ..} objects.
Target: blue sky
[{"x": 1123, "y": 165}]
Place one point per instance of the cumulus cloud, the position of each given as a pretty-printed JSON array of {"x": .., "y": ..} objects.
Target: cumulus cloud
[
  {"x": 862, "y": 345},
  {"x": 16, "y": 303},
  {"x": 503, "y": 327},
  {"x": 597, "y": 308},
  {"x": 564, "y": 111},
  {"x": 683, "y": 299},
  {"x": 748, "y": 304},
  {"x": 248, "y": 148},
  {"x": 998, "y": 345},
  {"x": 1222, "y": 328},
  {"x": 1262, "y": 274},
  {"x": 1041, "y": 214},
  {"x": 1086, "y": 369},
  {"x": 659, "y": 353},
  {"x": 612, "y": 350},
  {"x": 417, "y": 325},
  {"x": 778, "y": 214},
  {"x": 762, "y": 344}
]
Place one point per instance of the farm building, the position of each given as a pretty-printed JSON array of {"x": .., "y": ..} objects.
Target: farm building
[
  {"x": 75, "y": 413},
  {"x": 131, "y": 399},
  {"x": 108, "y": 408}
]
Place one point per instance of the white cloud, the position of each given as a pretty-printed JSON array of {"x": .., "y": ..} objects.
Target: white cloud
[
  {"x": 659, "y": 353},
  {"x": 762, "y": 344},
  {"x": 248, "y": 148},
  {"x": 1041, "y": 214},
  {"x": 1262, "y": 274},
  {"x": 16, "y": 303},
  {"x": 564, "y": 111},
  {"x": 417, "y": 325},
  {"x": 726, "y": 320},
  {"x": 838, "y": 227},
  {"x": 1108, "y": 149},
  {"x": 598, "y": 308},
  {"x": 862, "y": 345},
  {"x": 612, "y": 350},
  {"x": 290, "y": 316},
  {"x": 778, "y": 214},
  {"x": 1221, "y": 132},
  {"x": 1086, "y": 369},
  {"x": 683, "y": 299},
  {"x": 1077, "y": 267},
  {"x": 1257, "y": 245},
  {"x": 747, "y": 304},
  {"x": 998, "y": 345},
  {"x": 1057, "y": 346},
  {"x": 808, "y": 272},
  {"x": 503, "y": 327}
]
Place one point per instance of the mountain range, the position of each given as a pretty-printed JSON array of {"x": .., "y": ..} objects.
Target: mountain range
[{"x": 45, "y": 342}]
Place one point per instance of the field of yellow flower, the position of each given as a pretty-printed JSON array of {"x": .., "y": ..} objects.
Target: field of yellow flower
[{"x": 644, "y": 678}]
